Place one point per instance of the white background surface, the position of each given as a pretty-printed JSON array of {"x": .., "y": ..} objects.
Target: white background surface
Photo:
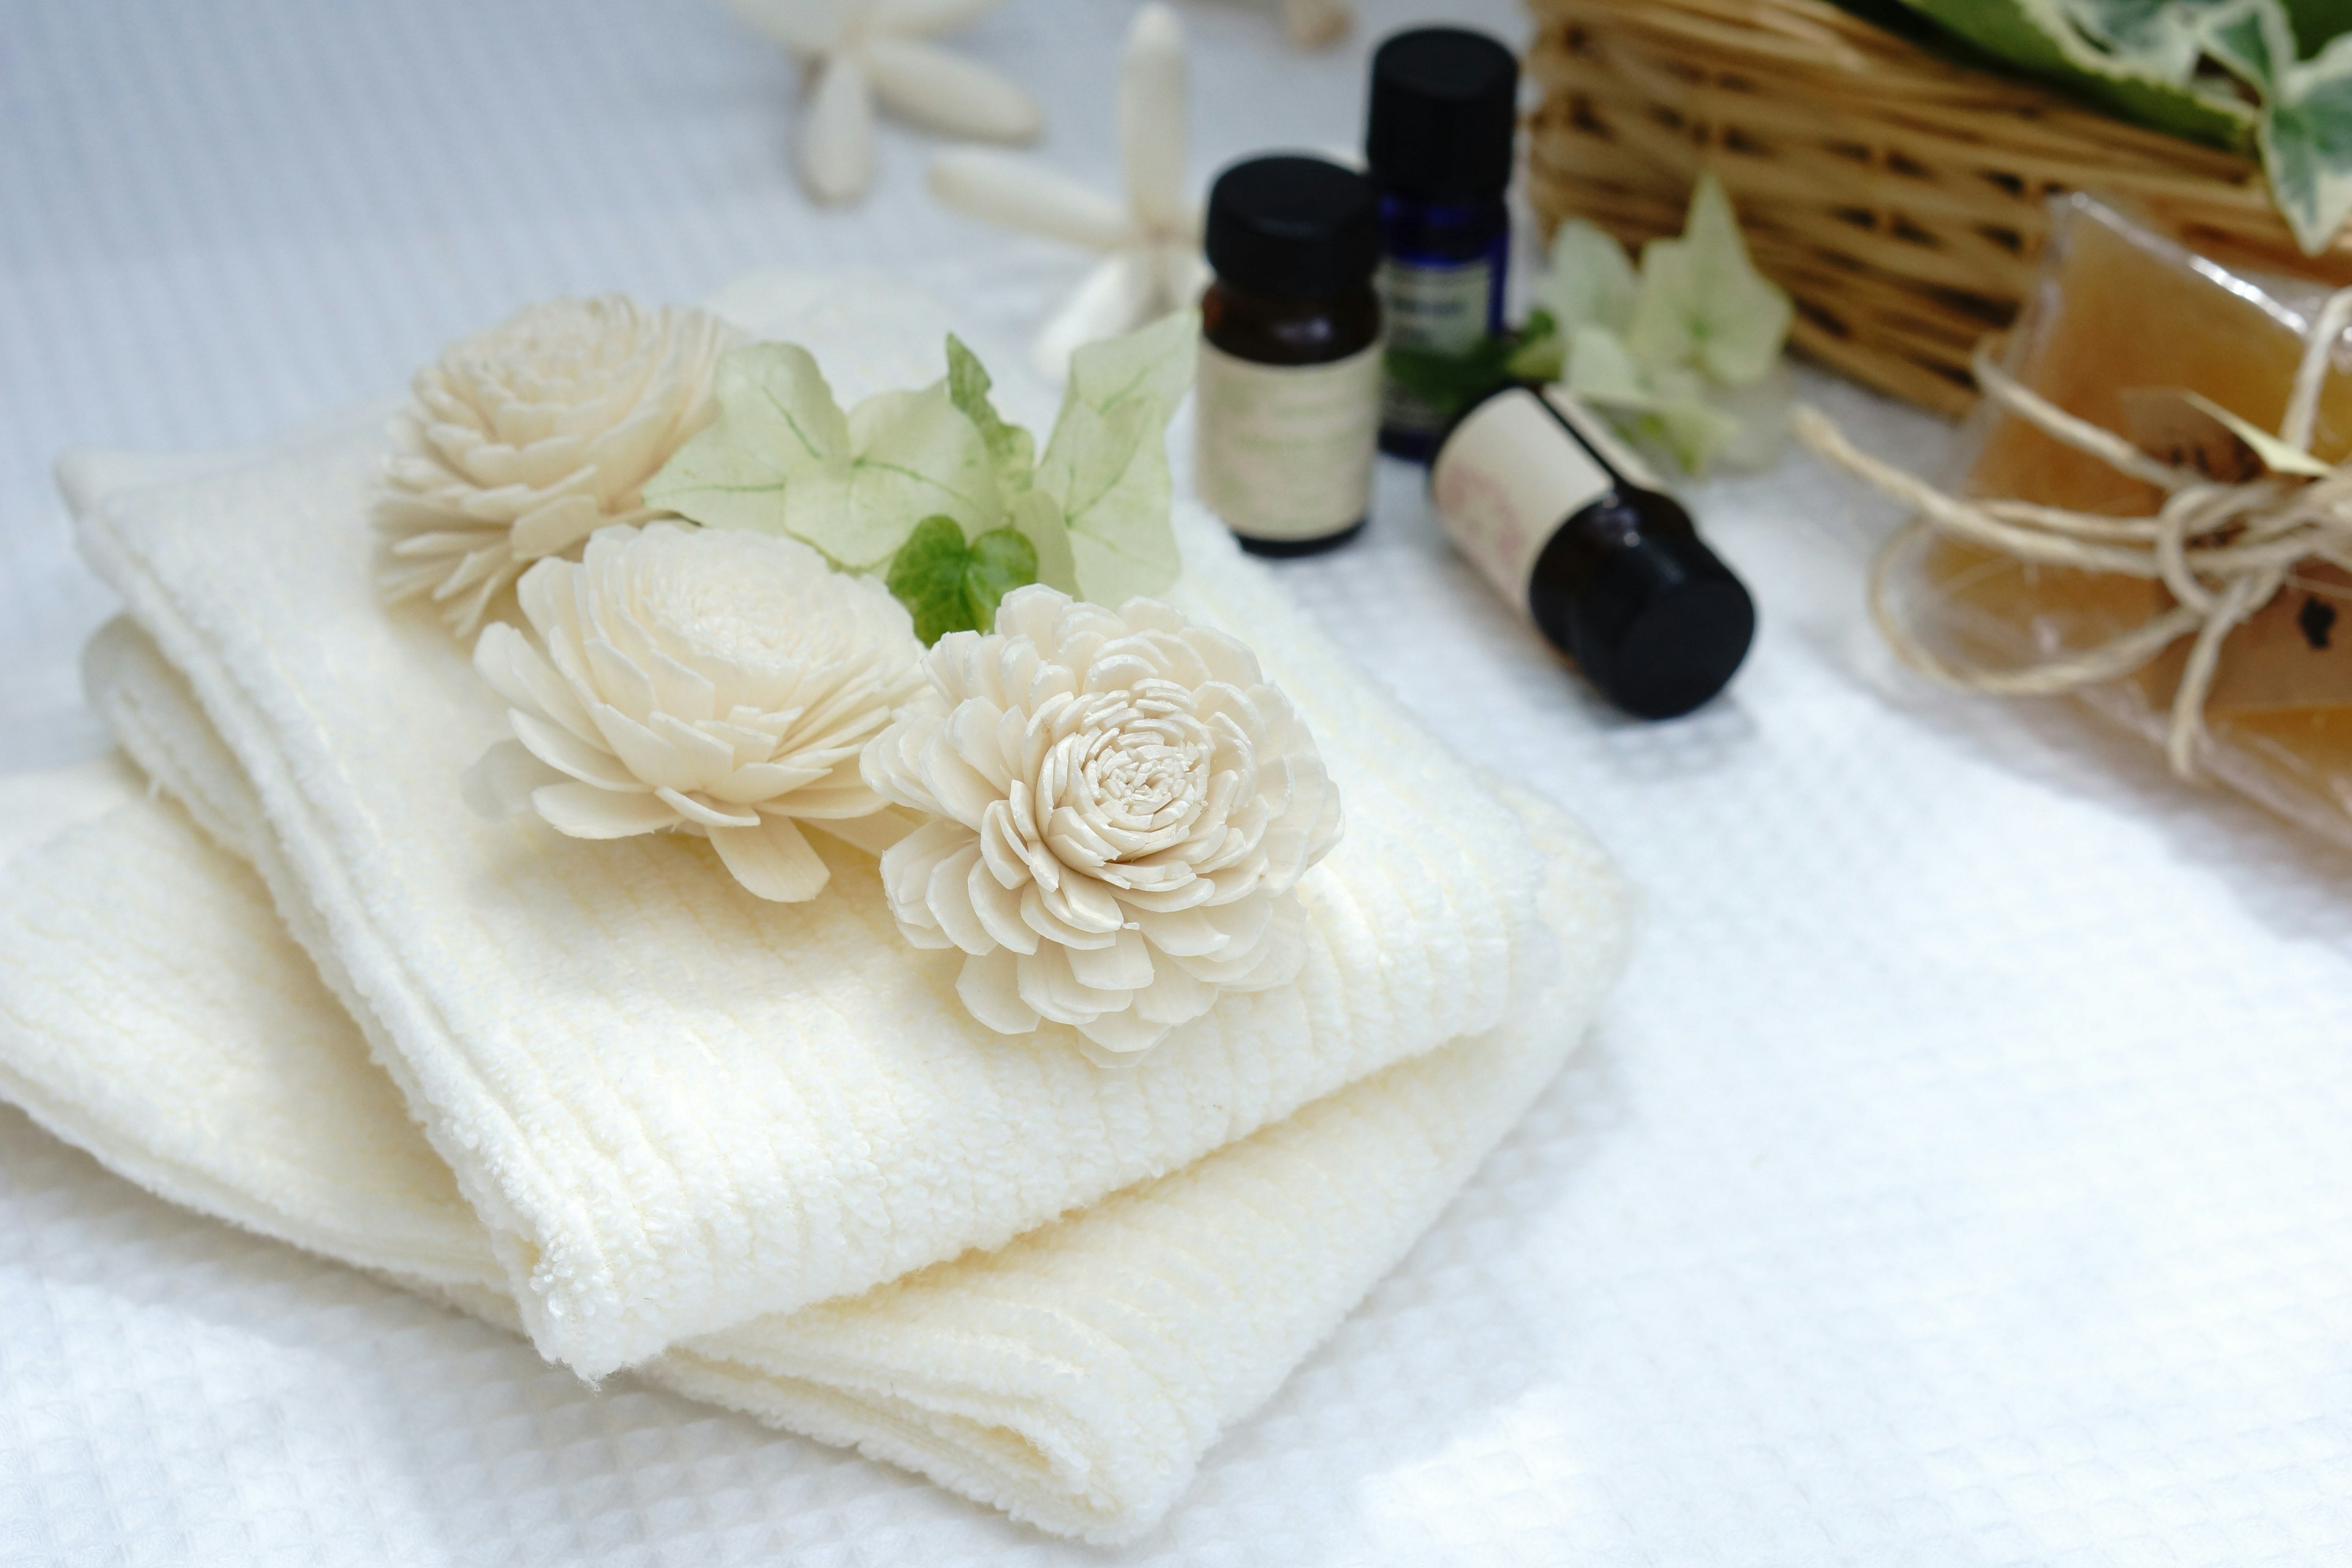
[{"x": 1964, "y": 1176}]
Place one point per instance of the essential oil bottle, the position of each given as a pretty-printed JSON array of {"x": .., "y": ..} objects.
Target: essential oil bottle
[
  {"x": 1444, "y": 111},
  {"x": 1290, "y": 388},
  {"x": 1573, "y": 529}
]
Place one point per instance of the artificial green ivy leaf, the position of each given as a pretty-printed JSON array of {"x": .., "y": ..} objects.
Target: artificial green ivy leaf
[
  {"x": 2038, "y": 39},
  {"x": 1702, "y": 302},
  {"x": 1106, "y": 465},
  {"x": 781, "y": 457},
  {"x": 2305, "y": 135},
  {"x": 2163, "y": 35},
  {"x": 1011, "y": 448},
  {"x": 2255, "y": 43},
  {"x": 2307, "y": 148},
  {"x": 1590, "y": 279},
  {"x": 949, "y": 586}
]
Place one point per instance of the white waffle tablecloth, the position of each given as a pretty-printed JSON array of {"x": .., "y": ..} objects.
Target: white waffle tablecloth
[{"x": 1964, "y": 1176}]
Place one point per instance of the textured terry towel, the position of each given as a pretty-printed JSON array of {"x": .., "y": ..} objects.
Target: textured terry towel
[
  {"x": 153, "y": 1011},
  {"x": 677, "y": 1108}
]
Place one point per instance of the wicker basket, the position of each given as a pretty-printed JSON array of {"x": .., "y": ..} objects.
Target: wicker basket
[{"x": 1900, "y": 199}]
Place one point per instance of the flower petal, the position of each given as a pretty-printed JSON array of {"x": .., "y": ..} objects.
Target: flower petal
[
  {"x": 584, "y": 811},
  {"x": 500, "y": 782},
  {"x": 990, "y": 988},
  {"x": 772, "y": 861}
]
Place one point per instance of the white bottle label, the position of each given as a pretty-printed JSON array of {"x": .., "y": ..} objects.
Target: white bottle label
[
  {"x": 1438, "y": 309},
  {"x": 1509, "y": 475},
  {"x": 1286, "y": 451}
]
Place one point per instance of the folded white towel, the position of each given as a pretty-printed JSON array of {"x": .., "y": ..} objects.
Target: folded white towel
[
  {"x": 677, "y": 1106},
  {"x": 153, "y": 1011}
]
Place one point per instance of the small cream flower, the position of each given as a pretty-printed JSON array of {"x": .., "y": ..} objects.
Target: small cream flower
[
  {"x": 702, "y": 680},
  {"x": 1121, "y": 808},
  {"x": 524, "y": 440}
]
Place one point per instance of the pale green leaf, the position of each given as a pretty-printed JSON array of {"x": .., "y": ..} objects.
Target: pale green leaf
[
  {"x": 1702, "y": 302},
  {"x": 1760, "y": 411},
  {"x": 1152, "y": 364},
  {"x": 1686, "y": 421},
  {"x": 1011, "y": 448},
  {"x": 781, "y": 457},
  {"x": 1106, "y": 464},
  {"x": 1038, "y": 518},
  {"x": 1601, "y": 369},
  {"x": 1589, "y": 281},
  {"x": 776, "y": 417}
]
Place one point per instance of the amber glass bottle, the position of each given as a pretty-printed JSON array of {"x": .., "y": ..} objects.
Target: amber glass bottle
[
  {"x": 1573, "y": 529},
  {"x": 1288, "y": 411}
]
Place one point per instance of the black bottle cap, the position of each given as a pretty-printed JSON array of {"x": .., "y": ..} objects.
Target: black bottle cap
[
  {"x": 1444, "y": 109},
  {"x": 1662, "y": 624},
  {"x": 1294, "y": 227}
]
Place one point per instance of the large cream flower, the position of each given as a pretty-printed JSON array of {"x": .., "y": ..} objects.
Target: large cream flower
[
  {"x": 1122, "y": 808},
  {"x": 524, "y": 440},
  {"x": 707, "y": 681}
]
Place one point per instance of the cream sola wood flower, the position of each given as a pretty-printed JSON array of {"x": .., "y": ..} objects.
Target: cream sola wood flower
[
  {"x": 1122, "y": 806},
  {"x": 703, "y": 681},
  {"x": 521, "y": 441},
  {"x": 1151, "y": 242},
  {"x": 855, "y": 51}
]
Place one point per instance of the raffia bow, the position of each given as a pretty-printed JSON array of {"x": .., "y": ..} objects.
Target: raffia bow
[{"x": 2222, "y": 550}]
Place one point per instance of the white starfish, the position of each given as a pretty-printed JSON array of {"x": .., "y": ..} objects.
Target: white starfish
[
  {"x": 1151, "y": 244},
  {"x": 854, "y": 51}
]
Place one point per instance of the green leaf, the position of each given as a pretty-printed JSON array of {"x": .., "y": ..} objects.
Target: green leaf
[
  {"x": 2037, "y": 39},
  {"x": 1001, "y": 561},
  {"x": 1011, "y": 448},
  {"x": 949, "y": 586},
  {"x": 1105, "y": 465},
  {"x": 1702, "y": 302},
  {"x": 2255, "y": 43},
  {"x": 1537, "y": 352},
  {"x": 2163, "y": 35},
  {"x": 1589, "y": 280},
  {"x": 2307, "y": 148},
  {"x": 781, "y": 457}
]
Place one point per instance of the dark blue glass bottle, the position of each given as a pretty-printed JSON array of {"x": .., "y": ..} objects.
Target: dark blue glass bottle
[{"x": 1444, "y": 111}]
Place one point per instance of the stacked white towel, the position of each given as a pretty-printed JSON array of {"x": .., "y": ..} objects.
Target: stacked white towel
[{"x": 757, "y": 1152}]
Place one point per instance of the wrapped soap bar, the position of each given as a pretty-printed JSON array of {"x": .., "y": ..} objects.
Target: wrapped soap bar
[{"x": 2207, "y": 614}]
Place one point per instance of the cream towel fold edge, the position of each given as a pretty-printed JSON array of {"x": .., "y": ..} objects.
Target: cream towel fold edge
[{"x": 1032, "y": 1379}]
